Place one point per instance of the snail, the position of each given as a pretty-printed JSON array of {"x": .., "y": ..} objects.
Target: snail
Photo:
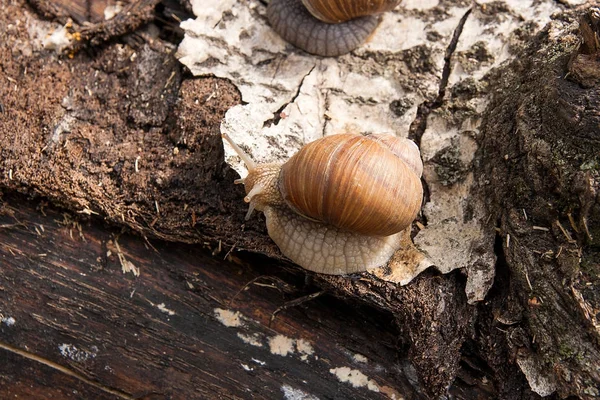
[
  {"x": 339, "y": 204},
  {"x": 327, "y": 27}
]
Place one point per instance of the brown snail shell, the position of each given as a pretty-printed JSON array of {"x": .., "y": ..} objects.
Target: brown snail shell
[
  {"x": 353, "y": 183},
  {"x": 326, "y": 28},
  {"x": 406, "y": 149},
  {"x": 336, "y": 11}
]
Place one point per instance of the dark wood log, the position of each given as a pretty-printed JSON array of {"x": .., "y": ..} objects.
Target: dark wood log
[
  {"x": 75, "y": 325},
  {"x": 91, "y": 25}
]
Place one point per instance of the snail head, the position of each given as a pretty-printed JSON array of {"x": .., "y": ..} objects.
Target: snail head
[{"x": 260, "y": 183}]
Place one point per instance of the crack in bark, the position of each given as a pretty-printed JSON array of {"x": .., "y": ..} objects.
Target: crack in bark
[
  {"x": 419, "y": 125},
  {"x": 277, "y": 114},
  {"x": 33, "y": 357},
  {"x": 448, "y": 58},
  {"x": 325, "y": 118}
]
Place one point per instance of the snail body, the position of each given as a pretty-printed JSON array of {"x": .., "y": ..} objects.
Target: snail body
[
  {"x": 339, "y": 204},
  {"x": 327, "y": 27}
]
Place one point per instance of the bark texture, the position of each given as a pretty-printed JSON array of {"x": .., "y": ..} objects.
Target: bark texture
[
  {"x": 120, "y": 133},
  {"x": 539, "y": 172}
]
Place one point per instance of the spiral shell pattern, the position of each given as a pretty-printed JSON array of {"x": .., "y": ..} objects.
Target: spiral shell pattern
[
  {"x": 354, "y": 183},
  {"x": 336, "y": 11}
]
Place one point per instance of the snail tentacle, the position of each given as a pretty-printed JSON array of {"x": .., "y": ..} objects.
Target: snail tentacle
[
  {"x": 252, "y": 199},
  {"x": 257, "y": 189},
  {"x": 249, "y": 212},
  {"x": 250, "y": 164}
]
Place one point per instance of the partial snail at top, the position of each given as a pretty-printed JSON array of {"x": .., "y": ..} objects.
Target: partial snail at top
[
  {"x": 339, "y": 204},
  {"x": 327, "y": 27}
]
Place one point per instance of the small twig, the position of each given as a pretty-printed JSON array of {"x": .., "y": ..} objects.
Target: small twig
[
  {"x": 218, "y": 249},
  {"x": 572, "y": 222},
  {"x": 150, "y": 244},
  {"x": 126, "y": 265},
  {"x": 280, "y": 283},
  {"x": 230, "y": 251},
  {"x": 527, "y": 278},
  {"x": 585, "y": 227},
  {"x": 64, "y": 370},
  {"x": 11, "y": 226},
  {"x": 294, "y": 303},
  {"x": 540, "y": 228},
  {"x": 564, "y": 231}
]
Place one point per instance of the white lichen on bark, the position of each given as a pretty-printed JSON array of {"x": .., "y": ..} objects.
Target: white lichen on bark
[{"x": 291, "y": 98}]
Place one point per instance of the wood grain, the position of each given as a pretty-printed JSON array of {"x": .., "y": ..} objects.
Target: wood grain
[{"x": 75, "y": 325}]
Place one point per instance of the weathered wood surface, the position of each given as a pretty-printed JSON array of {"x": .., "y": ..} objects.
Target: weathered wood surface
[
  {"x": 118, "y": 131},
  {"x": 74, "y": 325}
]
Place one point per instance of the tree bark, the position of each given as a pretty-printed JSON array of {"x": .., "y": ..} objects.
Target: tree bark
[
  {"x": 539, "y": 174},
  {"x": 120, "y": 134}
]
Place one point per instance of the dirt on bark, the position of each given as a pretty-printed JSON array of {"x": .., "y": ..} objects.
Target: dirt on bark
[{"x": 112, "y": 131}]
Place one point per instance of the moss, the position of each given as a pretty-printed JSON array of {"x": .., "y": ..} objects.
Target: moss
[
  {"x": 448, "y": 165},
  {"x": 565, "y": 351},
  {"x": 401, "y": 106},
  {"x": 589, "y": 263},
  {"x": 590, "y": 165},
  {"x": 521, "y": 190}
]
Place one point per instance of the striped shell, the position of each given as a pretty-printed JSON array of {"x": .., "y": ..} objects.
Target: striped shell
[
  {"x": 355, "y": 183},
  {"x": 336, "y": 11}
]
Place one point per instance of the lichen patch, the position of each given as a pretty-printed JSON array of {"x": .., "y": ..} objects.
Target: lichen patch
[
  {"x": 231, "y": 319},
  {"x": 304, "y": 348},
  {"x": 253, "y": 340},
  {"x": 355, "y": 378},
  {"x": 290, "y": 393},
  {"x": 281, "y": 345}
]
